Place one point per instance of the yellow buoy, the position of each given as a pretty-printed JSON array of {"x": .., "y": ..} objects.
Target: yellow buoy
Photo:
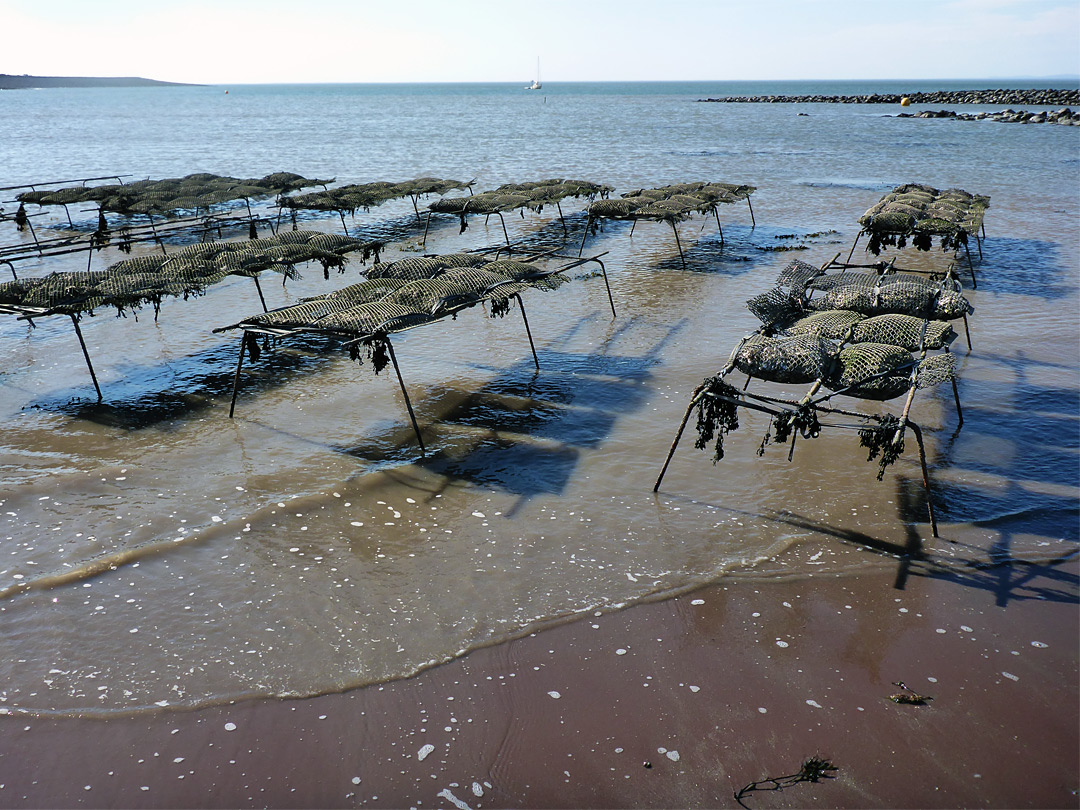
[{"x": 905, "y": 102}]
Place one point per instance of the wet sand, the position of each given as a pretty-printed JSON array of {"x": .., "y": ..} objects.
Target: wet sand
[{"x": 676, "y": 703}]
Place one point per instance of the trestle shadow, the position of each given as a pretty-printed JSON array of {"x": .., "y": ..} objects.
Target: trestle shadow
[
  {"x": 1018, "y": 431},
  {"x": 741, "y": 249},
  {"x": 524, "y": 431},
  {"x": 148, "y": 395},
  {"x": 1015, "y": 266}
]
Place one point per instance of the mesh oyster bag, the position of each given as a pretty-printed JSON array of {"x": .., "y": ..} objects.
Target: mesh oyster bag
[
  {"x": 935, "y": 370},
  {"x": 904, "y": 331},
  {"x": 871, "y": 371},
  {"x": 363, "y": 292},
  {"x": 900, "y": 298},
  {"x": 777, "y": 305},
  {"x": 416, "y": 267},
  {"x": 614, "y": 209},
  {"x": 798, "y": 275},
  {"x": 830, "y": 281},
  {"x": 831, "y": 324},
  {"x": 370, "y": 319},
  {"x": 785, "y": 359},
  {"x": 430, "y": 295}
]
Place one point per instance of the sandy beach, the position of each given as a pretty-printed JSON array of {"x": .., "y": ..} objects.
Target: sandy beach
[{"x": 677, "y": 703}]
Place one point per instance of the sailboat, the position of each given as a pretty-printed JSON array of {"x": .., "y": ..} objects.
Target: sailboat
[{"x": 536, "y": 84}]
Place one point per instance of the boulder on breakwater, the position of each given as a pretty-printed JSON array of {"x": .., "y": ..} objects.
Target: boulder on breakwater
[
  {"x": 1006, "y": 97},
  {"x": 1062, "y": 116}
]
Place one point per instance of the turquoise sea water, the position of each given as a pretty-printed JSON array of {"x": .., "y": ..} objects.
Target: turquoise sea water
[{"x": 304, "y": 547}]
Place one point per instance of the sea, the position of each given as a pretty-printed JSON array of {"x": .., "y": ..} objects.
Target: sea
[{"x": 157, "y": 554}]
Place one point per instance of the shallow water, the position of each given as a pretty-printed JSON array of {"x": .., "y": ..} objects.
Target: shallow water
[{"x": 305, "y": 546}]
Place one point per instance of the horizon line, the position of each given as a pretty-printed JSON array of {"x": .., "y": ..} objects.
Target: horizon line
[
  {"x": 1062, "y": 77},
  {"x": 1050, "y": 77}
]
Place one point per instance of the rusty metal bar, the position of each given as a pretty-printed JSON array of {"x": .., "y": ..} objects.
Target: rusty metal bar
[
  {"x": 562, "y": 219},
  {"x": 86, "y": 354},
  {"x": 405, "y": 393},
  {"x": 236, "y": 376},
  {"x": 521, "y": 306},
  {"x": 588, "y": 224},
  {"x": 925, "y": 477},
  {"x": 853, "y": 244},
  {"x": 678, "y": 244},
  {"x": 678, "y": 434},
  {"x": 258, "y": 287}
]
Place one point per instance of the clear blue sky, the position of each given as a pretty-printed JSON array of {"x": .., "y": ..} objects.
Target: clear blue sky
[{"x": 244, "y": 41}]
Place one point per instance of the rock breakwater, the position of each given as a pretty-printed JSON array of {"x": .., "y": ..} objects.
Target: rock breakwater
[
  {"x": 1006, "y": 97},
  {"x": 1062, "y": 116}
]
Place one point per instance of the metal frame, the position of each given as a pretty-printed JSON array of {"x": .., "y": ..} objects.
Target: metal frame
[
  {"x": 414, "y": 198},
  {"x": 385, "y": 330},
  {"x": 465, "y": 212},
  {"x": 967, "y": 250},
  {"x": 715, "y": 207},
  {"x": 65, "y": 245},
  {"x": 775, "y": 406},
  {"x": 699, "y": 393},
  {"x": 29, "y": 313}
]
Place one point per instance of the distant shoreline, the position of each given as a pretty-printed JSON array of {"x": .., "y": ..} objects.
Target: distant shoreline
[{"x": 10, "y": 82}]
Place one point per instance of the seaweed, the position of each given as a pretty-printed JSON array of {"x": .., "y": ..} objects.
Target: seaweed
[
  {"x": 718, "y": 415},
  {"x": 500, "y": 307},
  {"x": 813, "y": 770},
  {"x": 124, "y": 245},
  {"x": 909, "y": 696},
  {"x": 251, "y": 345},
  {"x": 886, "y": 439},
  {"x": 375, "y": 348},
  {"x": 802, "y": 421}
]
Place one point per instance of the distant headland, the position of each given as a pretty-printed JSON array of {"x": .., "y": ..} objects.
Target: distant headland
[{"x": 24, "y": 82}]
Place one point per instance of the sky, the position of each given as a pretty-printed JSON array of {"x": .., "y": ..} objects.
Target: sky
[{"x": 271, "y": 41}]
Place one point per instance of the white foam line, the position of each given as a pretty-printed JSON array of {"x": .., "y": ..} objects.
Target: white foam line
[{"x": 454, "y": 800}]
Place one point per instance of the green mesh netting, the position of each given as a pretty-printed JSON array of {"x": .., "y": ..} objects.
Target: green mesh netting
[
  {"x": 416, "y": 267},
  {"x": 904, "y": 331},
  {"x": 387, "y": 304},
  {"x": 671, "y": 203},
  {"x": 833, "y": 324},
  {"x": 935, "y": 370},
  {"x": 871, "y": 371},
  {"x": 901, "y": 298},
  {"x": 195, "y": 191},
  {"x": 130, "y": 283},
  {"x": 358, "y": 196}
]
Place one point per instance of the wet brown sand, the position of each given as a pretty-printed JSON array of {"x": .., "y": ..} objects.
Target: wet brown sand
[{"x": 676, "y": 703}]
